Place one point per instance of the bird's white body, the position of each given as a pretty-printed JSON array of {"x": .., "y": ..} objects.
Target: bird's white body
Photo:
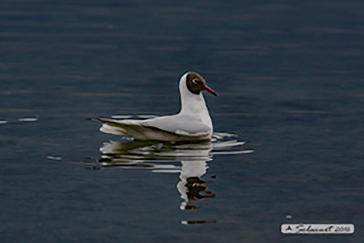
[{"x": 193, "y": 122}]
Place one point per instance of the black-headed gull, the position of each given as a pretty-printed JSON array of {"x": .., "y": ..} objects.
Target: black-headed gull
[{"x": 193, "y": 122}]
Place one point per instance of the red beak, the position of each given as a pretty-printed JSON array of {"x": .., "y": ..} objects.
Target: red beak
[{"x": 211, "y": 91}]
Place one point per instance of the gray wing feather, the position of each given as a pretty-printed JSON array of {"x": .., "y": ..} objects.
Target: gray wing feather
[
  {"x": 169, "y": 128},
  {"x": 179, "y": 124}
]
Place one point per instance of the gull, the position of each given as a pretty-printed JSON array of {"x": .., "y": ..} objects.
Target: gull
[{"x": 192, "y": 123}]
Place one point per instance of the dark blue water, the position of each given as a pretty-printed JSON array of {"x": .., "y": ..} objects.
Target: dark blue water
[{"x": 289, "y": 79}]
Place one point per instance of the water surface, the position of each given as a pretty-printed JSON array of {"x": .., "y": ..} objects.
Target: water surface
[{"x": 289, "y": 80}]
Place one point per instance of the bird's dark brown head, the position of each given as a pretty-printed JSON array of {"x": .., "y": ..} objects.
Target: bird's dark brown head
[{"x": 196, "y": 83}]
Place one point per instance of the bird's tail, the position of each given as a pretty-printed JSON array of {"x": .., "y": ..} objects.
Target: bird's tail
[{"x": 130, "y": 128}]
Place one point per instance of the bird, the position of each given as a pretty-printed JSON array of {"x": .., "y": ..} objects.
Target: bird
[{"x": 192, "y": 123}]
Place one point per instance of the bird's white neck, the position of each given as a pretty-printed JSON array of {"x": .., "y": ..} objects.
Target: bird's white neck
[{"x": 193, "y": 105}]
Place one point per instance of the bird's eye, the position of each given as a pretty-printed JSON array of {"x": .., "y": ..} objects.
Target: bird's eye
[{"x": 196, "y": 81}]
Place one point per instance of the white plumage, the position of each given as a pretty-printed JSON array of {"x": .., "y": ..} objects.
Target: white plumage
[{"x": 193, "y": 122}]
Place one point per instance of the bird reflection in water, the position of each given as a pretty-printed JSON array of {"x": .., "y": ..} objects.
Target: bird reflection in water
[
  {"x": 191, "y": 187},
  {"x": 162, "y": 157}
]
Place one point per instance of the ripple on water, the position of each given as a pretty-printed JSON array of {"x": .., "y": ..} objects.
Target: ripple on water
[
  {"x": 24, "y": 119},
  {"x": 161, "y": 157},
  {"x": 129, "y": 154}
]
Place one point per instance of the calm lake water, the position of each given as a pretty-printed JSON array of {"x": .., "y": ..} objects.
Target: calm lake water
[{"x": 289, "y": 78}]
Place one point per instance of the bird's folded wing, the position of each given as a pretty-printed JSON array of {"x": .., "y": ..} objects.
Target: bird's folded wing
[
  {"x": 181, "y": 125},
  {"x": 128, "y": 128},
  {"x": 142, "y": 129}
]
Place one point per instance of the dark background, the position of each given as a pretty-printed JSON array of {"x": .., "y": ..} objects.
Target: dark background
[{"x": 289, "y": 79}]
